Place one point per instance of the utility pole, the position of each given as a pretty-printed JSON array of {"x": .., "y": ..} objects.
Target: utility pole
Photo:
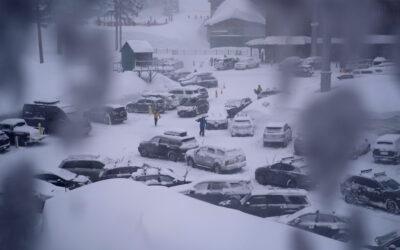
[
  {"x": 326, "y": 49},
  {"x": 39, "y": 31},
  {"x": 116, "y": 14}
]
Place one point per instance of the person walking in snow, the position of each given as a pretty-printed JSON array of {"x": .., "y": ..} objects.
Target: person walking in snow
[
  {"x": 157, "y": 116},
  {"x": 202, "y": 122}
]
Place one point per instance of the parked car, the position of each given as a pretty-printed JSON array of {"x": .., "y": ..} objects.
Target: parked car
[
  {"x": 376, "y": 190},
  {"x": 277, "y": 133},
  {"x": 172, "y": 147},
  {"x": 152, "y": 176},
  {"x": 294, "y": 66},
  {"x": 87, "y": 165},
  {"x": 267, "y": 92},
  {"x": 56, "y": 118},
  {"x": 242, "y": 125},
  {"x": 247, "y": 63},
  {"x": 206, "y": 80},
  {"x": 19, "y": 133},
  {"x": 235, "y": 106},
  {"x": 225, "y": 63},
  {"x": 387, "y": 149},
  {"x": 289, "y": 172},
  {"x": 315, "y": 62},
  {"x": 303, "y": 71},
  {"x": 184, "y": 93},
  {"x": 173, "y": 63},
  {"x": 290, "y": 63},
  {"x": 193, "y": 107},
  {"x": 108, "y": 114},
  {"x": 327, "y": 224},
  {"x": 171, "y": 101},
  {"x": 216, "y": 121},
  {"x": 216, "y": 159},
  {"x": 146, "y": 105},
  {"x": 270, "y": 202},
  {"x": 4, "y": 141},
  {"x": 389, "y": 241},
  {"x": 216, "y": 190},
  {"x": 176, "y": 75},
  {"x": 63, "y": 179}
]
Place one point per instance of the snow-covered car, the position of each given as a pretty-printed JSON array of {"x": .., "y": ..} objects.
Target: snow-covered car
[
  {"x": 118, "y": 172},
  {"x": 4, "y": 141},
  {"x": 225, "y": 63},
  {"x": 184, "y": 93},
  {"x": 277, "y": 133},
  {"x": 389, "y": 241},
  {"x": 289, "y": 172},
  {"x": 146, "y": 105},
  {"x": 20, "y": 133},
  {"x": 153, "y": 176},
  {"x": 387, "y": 148},
  {"x": 242, "y": 125},
  {"x": 314, "y": 61},
  {"x": 206, "y": 80},
  {"x": 303, "y": 71},
  {"x": 178, "y": 74},
  {"x": 270, "y": 202},
  {"x": 376, "y": 190},
  {"x": 235, "y": 106},
  {"x": 192, "y": 107},
  {"x": 107, "y": 114},
  {"x": 267, "y": 92},
  {"x": 63, "y": 178},
  {"x": 247, "y": 63},
  {"x": 45, "y": 190},
  {"x": 216, "y": 121},
  {"x": 216, "y": 159},
  {"x": 171, "y": 62},
  {"x": 289, "y": 63},
  {"x": 327, "y": 224},
  {"x": 56, "y": 117},
  {"x": 87, "y": 165},
  {"x": 172, "y": 147},
  {"x": 216, "y": 190},
  {"x": 171, "y": 101}
]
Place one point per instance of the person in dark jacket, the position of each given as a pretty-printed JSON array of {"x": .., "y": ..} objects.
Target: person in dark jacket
[{"x": 202, "y": 122}]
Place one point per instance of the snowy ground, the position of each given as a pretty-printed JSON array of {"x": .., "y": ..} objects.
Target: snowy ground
[{"x": 379, "y": 93}]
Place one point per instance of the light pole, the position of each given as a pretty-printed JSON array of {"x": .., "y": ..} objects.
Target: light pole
[
  {"x": 326, "y": 48},
  {"x": 314, "y": 29}
]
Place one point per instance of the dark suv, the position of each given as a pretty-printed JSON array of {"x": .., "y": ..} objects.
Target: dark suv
[
  {"x": 146, "y": 105},
  {"x": 290, "y": 172},
  {"x": 56, "y": 118},
  {"x": 172, "y": 147},
  {"x": 108, "y": 114},
  {"x": 193, "y": 107},
  {"x": 377, "y": 190}
]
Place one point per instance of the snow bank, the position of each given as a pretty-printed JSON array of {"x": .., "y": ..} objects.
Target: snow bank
[
  {"x": 121, "y": 214},
  {"x": 237, "y": 9}
]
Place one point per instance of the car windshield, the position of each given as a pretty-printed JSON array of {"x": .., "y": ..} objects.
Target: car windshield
[
  {"x": 384, "y": 143},
  {"x": 243, "y": 122},
  {"x": 390, "y": 184},
  {"x": 298, "y": 200}
]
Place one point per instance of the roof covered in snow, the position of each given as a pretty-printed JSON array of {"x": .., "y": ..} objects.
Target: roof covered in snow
[
  {"x": 237, "y": 9},
  {"x": 12, "y": 121},
  {"x": 140, "y": 46}
]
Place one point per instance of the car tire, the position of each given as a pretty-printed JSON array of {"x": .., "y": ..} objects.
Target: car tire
[
  {"x": 392, "y": 207},
  {"x": 260, "y": 178},
  {"x": 350, "y": 199},
  {"x": 172, "y": 156},
  {"x": 191, "y": 163},
  {"x": 143, "y": 152},
  {"x": 217, "y": 168}
]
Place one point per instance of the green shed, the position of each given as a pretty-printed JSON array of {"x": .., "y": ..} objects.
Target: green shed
[{"x": 136, "y": 53}]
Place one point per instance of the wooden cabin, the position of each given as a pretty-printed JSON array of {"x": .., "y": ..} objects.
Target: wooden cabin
[{"x": 136, "y": 53}]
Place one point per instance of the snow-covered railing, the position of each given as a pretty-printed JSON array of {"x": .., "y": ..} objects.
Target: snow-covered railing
[{"x": 244, "y": 51}]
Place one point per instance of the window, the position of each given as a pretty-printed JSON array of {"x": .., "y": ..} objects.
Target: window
[
  {"x": 324, "y": 218},
  {"x": 257, "y": 200},
  {"x": 201, "y": 186},
  {"x": 297, "y": 200},
  {"x": 155, "y": 140},
  {"x": 211, "y": 150},
  {"x": 308, "y": 218},
  {"x": 217, "y": 186},
  {"x": 164, "y": 141},
  {"x": 275, "y": 199}
]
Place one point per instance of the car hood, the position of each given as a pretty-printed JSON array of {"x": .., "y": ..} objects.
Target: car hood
[{"x": 27, "y": 129}]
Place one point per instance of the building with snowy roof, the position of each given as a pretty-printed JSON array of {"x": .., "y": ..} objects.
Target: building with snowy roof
[
  {"x": 136, "y": 53},
  {"x": 234, "y": 22}
]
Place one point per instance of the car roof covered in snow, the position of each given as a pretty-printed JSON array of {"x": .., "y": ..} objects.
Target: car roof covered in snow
[
  {"x": 83, "y": 157},
  {"x": 140, "y": 46},
  {"x": 12, "y": 121},
  {"x": 224, "y": 149},
  {"x": 237, "y": 9},
  {"x": 113, "y": 106},
  {"x": 389, "y": 137},
  {"x": 307, "y": 210},
  {"x": 279, "y": 191}
]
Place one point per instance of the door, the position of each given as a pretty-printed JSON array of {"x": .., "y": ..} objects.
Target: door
[
  {"x": 256, "y": 205},
  {"x": 326, "y": 225},
  {"x": 209, "y": 157},
  {"x": 153, "y": 146},
  {"x": 276, "y": 205},
  {"x": 200, "y": 156},
  {"x": 306, "y": 222},
  {"x": 163, "y": 147}
]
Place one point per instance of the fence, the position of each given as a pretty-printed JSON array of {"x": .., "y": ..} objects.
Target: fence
[{"x": 207, "y": 52}]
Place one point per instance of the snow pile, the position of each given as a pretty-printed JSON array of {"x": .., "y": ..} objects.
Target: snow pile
[
  {"x": 237, "y": 9},
  {"x": 122, "y": 214},
  {"x": 140, "y": 46},
  {"x": 281, "y": 40}
]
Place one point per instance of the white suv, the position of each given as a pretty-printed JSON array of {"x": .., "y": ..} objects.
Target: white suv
[
  {"x": 242, "y": 125},
  {"x": 277, "y": 133},
  {"x": 387, "y": 148},
  {"x": 217, "y": 159}
]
